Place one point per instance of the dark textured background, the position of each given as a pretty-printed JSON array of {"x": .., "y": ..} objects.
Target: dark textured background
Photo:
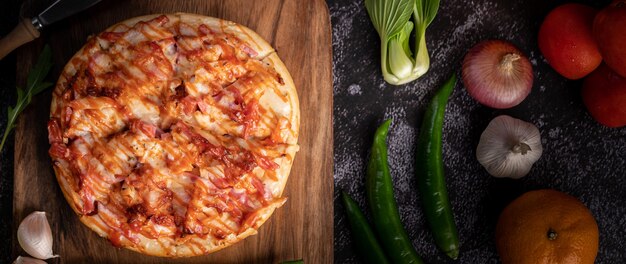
[{"x": 580, "y": 157}]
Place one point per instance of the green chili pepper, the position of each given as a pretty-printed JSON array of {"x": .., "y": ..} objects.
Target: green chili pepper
[
  {"x": 430, "y": 175},
  {"x": 387, "y": 224},
  {"x": 363, "y": 237}
]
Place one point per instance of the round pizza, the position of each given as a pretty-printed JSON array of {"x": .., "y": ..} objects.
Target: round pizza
[{"x": 173, "y": 135}]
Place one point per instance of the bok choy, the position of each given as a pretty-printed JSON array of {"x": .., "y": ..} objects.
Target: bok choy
[{"x": 392, "y": 19}]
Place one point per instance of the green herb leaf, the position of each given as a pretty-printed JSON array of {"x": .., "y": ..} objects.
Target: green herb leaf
[
  {"x": 404, "y": 37},
  {"x": 41, "y": 87},
  {"x": 34, "y": 86},
  {"x": 389, "y": 16},
  {"x": 41, "y": 68},
  {"x": 425, "y": 11}
]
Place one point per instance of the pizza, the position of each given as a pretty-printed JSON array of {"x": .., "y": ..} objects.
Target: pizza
[{"x": 173, "y": 135}]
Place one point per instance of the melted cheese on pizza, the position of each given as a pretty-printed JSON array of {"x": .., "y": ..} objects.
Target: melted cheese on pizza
[{"x": 170, "y": 131}]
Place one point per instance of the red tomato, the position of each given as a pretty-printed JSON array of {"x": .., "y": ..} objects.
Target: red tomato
[
  {"x": 604, "y": 95},
  {"x": 566, "y": 41},
  {"x": 609, "y": 29}
]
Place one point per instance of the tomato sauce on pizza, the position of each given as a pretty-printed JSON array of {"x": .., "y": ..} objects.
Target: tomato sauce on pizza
[{"x": 173, "y": 135}]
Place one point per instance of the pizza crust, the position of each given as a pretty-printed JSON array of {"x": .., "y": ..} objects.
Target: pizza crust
[{"x": 195, "y": 245}]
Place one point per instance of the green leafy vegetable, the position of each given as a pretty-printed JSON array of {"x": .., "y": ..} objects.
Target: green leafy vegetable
[
  {"x": 34, "y": 86},
  {"x": 391, "y": 18}
]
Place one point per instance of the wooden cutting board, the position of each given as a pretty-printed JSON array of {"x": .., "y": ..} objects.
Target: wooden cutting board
[{"x": 302, "y": 228}]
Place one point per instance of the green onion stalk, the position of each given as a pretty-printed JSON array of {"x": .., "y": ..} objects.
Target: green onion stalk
[{"x": 392, "y": 20}]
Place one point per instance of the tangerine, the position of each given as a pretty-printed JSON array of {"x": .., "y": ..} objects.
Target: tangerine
[{"x": 546, "y": 226}]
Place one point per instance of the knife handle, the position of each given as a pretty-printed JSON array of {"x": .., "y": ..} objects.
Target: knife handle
[{"x": 23, "y": 33}]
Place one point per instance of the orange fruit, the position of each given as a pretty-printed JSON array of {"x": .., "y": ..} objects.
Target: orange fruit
[{"x": 546, "y": 226}]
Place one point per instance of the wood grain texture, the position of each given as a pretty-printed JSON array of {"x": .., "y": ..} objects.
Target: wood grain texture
[
  {"x": 302, "y": 228},
  {"x": 23, "y": 33}
]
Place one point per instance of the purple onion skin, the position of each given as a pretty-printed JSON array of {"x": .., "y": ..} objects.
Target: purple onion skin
[{"x": 497, "y": 74}]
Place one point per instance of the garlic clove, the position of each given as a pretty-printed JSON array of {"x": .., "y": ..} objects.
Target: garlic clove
[
  {"x": 509, "y": 147},
  {"x": 35, "y": 236},
  {"x": 27, "y": 260}
]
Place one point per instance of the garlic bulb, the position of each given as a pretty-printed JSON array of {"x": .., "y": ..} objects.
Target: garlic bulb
[
  {"x": 35, "y": 236},
  {"x": 27, "y": 260},
  {"x": 508, "y": 147}
]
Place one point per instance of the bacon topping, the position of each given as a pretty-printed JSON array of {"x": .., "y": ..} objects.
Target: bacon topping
[
  {"x": 150, "y": 130},
  {"x": 249, "y": 51},
  {"x": 250, "y": 118},
  {"x": 204, "y": 30},
  {"x": 54, "y": 132},
  {"x": 160, "y": 161},
  {"x": 58, "y": 151},
  {"x": 111, "y": 36}
]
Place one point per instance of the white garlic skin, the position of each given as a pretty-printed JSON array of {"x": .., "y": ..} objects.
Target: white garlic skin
[
  {"x": 495, "y": 153},
  {"x": 35, "y": 236},
  {"x": 27, "y": 260}
]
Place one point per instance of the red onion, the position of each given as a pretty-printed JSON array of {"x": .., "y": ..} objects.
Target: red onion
[{"x": 497, "y": 74}]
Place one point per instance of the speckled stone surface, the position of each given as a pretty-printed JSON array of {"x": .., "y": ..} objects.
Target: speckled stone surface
[{"x": 580, "y": 157}]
